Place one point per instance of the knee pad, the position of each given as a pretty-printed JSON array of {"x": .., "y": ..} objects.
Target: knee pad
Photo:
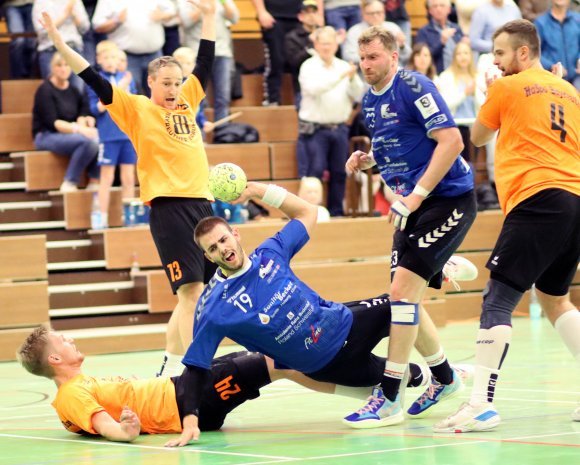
[
  {"x": 499, "y": 301},
  {"x": 404, "y": 313}
]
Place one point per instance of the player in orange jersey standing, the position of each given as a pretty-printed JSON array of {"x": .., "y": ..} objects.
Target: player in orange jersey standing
[
  {"x": 537, "y": 172},
  {"x": 171, "y": 165}
]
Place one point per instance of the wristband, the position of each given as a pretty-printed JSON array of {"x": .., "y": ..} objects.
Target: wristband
[
  {"x": 420, "y": 191},
  {"x": 274, "y": 195}
]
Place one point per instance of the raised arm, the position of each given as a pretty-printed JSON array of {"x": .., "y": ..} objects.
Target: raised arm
[
  {"x": 125, "y": 430},
  {"x": 291, "y": 205},
  {"x": 206, "y": 52}
]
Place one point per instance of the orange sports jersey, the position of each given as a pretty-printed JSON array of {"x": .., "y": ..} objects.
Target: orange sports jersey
[
  {"x": 538, "y": 147},
  {"x": 171, "y": 158},
  {"x": 153, "y": 400}
]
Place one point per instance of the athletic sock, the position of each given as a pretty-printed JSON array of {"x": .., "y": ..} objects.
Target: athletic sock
[
  {"x": 492, "y": 347},
  {"x": 439, "y": 366},
  {"x": 568, "y": 326},
  {"x": 392, "y": 377},
  {"x": 171, "y": 365}
]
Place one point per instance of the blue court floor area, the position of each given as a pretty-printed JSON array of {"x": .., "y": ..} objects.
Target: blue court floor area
[{"x": 538, "y": 389}]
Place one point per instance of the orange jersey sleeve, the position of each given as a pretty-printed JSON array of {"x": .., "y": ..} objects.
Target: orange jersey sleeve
[
  {"x": 153, "y": 400},
  {"x": 171, "y": 158},
  {"x": 538, "y": 146}
]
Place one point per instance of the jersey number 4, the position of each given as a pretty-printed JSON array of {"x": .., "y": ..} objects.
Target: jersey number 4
[{"x": 558, "y": 124}]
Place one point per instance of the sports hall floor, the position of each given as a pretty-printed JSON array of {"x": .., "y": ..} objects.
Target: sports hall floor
[{"x": 538, "y": 390}]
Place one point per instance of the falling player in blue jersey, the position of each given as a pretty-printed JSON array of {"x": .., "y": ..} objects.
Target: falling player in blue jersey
[
  {"x": 258, "y": 301},
  {"x": 416, "y": 146}
]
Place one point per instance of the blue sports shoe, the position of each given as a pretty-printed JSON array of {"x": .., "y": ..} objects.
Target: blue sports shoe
[
  {"x": 435, "y": 393},
  {"x": 379, "y": 411}
]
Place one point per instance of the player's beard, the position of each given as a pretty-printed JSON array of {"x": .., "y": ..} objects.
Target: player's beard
[{"x": 512, "y": 68}]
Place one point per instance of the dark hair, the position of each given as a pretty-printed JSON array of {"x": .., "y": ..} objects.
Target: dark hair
[
  {"x": 161, "y": 62},
  {"x": 378, "y": 32},
  {"x": 521, "y": 32},
  {"x": 431, "y": 71},
  {"x": 207, "y": 225}
]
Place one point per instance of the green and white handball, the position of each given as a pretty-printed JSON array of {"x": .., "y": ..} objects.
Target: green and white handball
[{"x": 227, "y": 181}]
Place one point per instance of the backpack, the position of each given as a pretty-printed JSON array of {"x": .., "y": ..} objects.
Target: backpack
[{"x": 235, "y": 133}]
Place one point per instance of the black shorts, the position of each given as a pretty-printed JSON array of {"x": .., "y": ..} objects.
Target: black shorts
[
  {"x": 234, "y": 379},
  {"x": 539, "y": 243},
  {"x": 172, "y": 222},
  {"x": 355, "y": 364},
  {"x": 432, "y": 235}
]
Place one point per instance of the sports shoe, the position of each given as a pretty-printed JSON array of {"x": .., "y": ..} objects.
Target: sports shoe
[
  {"x": 459, "y": 269},
  {"x": 435, "y": 393},
  {"x": 469, "y": 418},
  {"x": 68, "y": 186},
  {"x": 576, "y": 414},
  {"x": 379, "y": 411},
  {"x": 465, "y": 372}
]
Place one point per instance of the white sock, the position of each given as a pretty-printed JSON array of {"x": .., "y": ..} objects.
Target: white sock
[
  {"x": 568, "y": 326},
  {"x": 492, "y": 346},
  {"x": 436, "y": 359},
  {"x": 171, "y": 365},
  {"x": 360, "y": 393}
]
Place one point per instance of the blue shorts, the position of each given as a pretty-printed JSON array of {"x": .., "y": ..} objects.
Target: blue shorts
[{"x": 117, "y": 152}]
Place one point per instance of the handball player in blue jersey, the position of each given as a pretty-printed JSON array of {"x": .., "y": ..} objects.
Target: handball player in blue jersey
[
  {"x": 416, "y": 147},
  {"x": 258, "y": 301}
]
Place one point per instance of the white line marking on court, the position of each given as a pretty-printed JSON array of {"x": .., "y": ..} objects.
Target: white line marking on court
[
  {"x": 535, "y": 436},
  {"x": 143, "y": 446},
  {"x": 27, "y": 417}
]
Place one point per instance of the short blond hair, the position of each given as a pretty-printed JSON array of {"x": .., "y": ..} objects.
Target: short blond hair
[
  {"x": 378, "y": 32},
  {"x": 106, "y": 46},
  {"x": 33, "y": 353}
]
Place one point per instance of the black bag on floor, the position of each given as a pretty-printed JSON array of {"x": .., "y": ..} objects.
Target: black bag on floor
[{"x": 235, "y": 133}]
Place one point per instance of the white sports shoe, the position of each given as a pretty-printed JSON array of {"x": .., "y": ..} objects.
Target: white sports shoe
[
  {"x": 68, "y": 186},
  {"x": 469, "y": 418},
  {"x": 459, "y": 269},
  {"x": 576, "y": 414}
]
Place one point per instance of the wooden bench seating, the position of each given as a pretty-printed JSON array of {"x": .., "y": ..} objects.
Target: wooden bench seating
[
  {"x": 23, "y": 258},
  {"x": 16, "y": 132},
  {"x": 18, "y": 95}
]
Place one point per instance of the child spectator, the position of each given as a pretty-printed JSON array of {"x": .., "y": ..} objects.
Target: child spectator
[{"x": 115, "y": 147}]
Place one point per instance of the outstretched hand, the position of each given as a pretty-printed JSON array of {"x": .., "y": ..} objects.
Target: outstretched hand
[
  {"x": 130, "y": 423},
  {"x": 190, "y": 433},
  {"x": 48, "y": 24}
]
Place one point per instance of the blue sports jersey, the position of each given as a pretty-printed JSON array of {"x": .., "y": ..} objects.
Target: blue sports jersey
[
  {"x": 268, "y": 309},
  {"x": 400, "y": 119}
]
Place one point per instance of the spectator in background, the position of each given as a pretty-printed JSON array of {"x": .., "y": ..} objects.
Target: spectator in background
[
  {"x": 440, "y": 35},
  {"x": 62, "y": 123},
  {"x": 171, "y": 31},
  {"x": 223, "y": 66},
  {"x": 299, "y": 46},
  {"x": 19, "y": 20},
  {"x": 342, "y": 15},
  {"x": 72, "y": 21},
  {"x": 190, "y": 18},
  {"x": 373, "y": 13},
  {"x": 559, "y": 31},
  {"x": 137, "y": 30},
  {"x": 486, "y": 19},
  {"x": 277, "y": 18},
  {"x": 115, "y": 147},
  {"x": 91, "y": 38},
  {"x": 396, "y": 12},
  {"x": 464, "y": 10},
  {"x": 311, "y": 190},
  {"x": 531, "y": 9},
  {"x": 457, "y": 87},
  {"x": 329, "y": 88},
  {"x": 421, "y": 60}
]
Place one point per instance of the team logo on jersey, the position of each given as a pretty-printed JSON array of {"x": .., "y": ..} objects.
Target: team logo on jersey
[
  {"x": 314, "y": 337},
  {"x": 264, "y": 270},
  {"x": 385, "y": 113},
  {"x": 437, "y": 120},
  {"x": 427, "y": 105},
  {"x": 264, "y": 319},
  {"x": 180, "y": 126},
  {"x": 290, "y": 316}
]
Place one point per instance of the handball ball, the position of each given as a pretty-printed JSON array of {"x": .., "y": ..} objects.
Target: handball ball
[{"x": 227, "y": 181}]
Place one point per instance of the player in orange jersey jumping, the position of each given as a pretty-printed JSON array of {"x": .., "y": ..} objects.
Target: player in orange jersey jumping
[
  {"x": 537, "y": 173},
  {"x": 171, "y": 165}
]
